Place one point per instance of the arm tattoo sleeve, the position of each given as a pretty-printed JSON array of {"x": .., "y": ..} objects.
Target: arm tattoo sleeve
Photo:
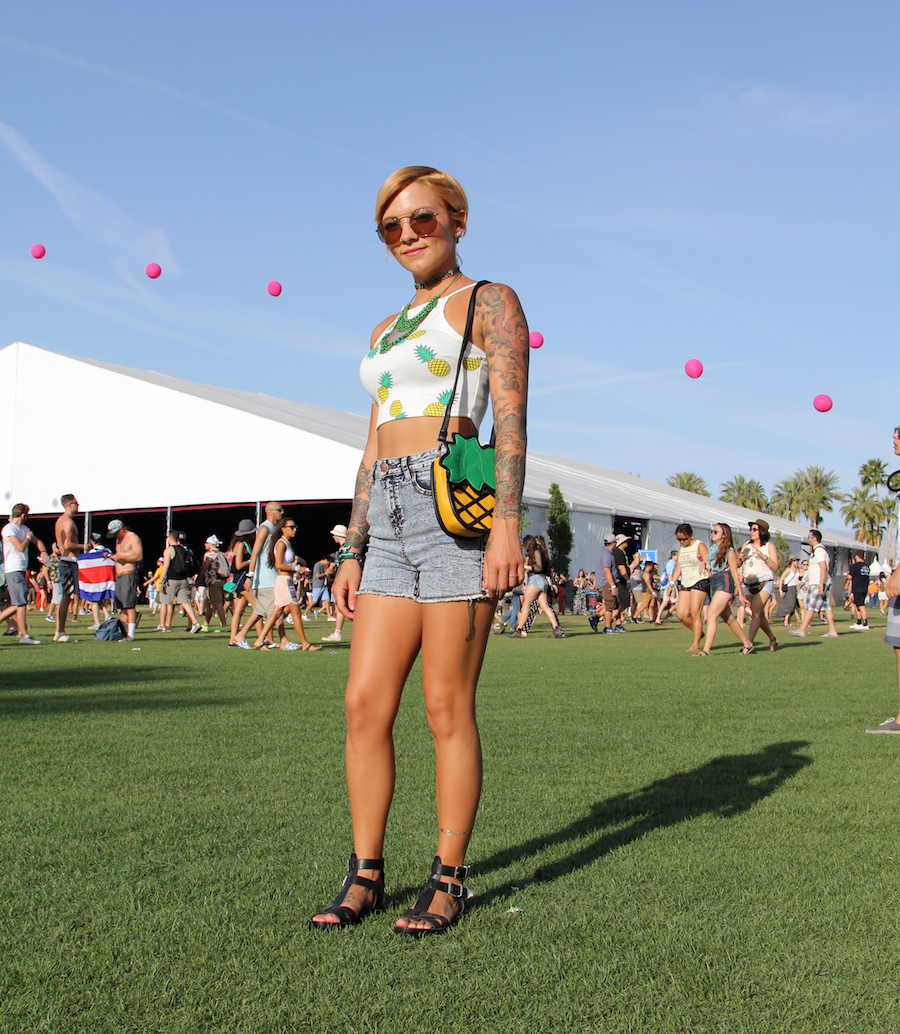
[
  {"x": 358, "y": 531},
  {"x": 506, "y": 348}
]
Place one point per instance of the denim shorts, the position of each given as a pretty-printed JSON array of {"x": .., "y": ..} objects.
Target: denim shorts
[{"x": 408, "y": 553}]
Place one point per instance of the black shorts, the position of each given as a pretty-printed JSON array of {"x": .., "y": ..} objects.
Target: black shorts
[
  {"x": 859, "y": 598},
  {"x": 701, "y": 586},
  {"x": 623, "y": 595},
  {"x": 68, "y": 577}
]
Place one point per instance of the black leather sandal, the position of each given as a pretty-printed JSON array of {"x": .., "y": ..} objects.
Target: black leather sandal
[
  {"x": 440, "y": 924},
  {"x": 347, "y": 916}
]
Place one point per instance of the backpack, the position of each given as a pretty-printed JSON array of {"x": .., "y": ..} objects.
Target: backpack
[
  {"x": 111, "y": 630},
  {"x": 183, "y": 564}
]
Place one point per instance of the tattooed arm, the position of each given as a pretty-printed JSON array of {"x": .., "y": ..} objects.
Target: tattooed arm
[
  {"x": 349, "y": 574},
  {"x": 505, "y": 340}
]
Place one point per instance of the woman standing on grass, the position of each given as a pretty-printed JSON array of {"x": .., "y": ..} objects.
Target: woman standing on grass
[
  {"x": 759, "y": 561},
  {"x": 283, "y": 560},
  {"x": 422, "y": 590},
  {"x": 691, "y": 575},
  {"x": 724, "y": 585},
  {"x": 579, "y": 584}
]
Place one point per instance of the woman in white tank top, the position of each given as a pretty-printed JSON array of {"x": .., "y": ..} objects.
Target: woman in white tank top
[
  {"x": 421, "y": 590},
  {"x": 692, "y": 576},
  {"x": 759, "y": 561}
]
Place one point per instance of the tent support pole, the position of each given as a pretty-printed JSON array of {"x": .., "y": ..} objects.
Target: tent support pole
[
  {"x": 87, "y": 530},
  {"x": 258, "y": 513},
  {"x": 168, "y": 520}
]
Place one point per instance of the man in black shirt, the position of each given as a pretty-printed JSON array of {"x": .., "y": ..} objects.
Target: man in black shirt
[{"x": 859, "y": 588}]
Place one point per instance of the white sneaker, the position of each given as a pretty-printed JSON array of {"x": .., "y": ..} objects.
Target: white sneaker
[
  {"x": 857, "y": 626},
  {"x": 51, "y": 620},
  {"x": 26, "y": 640},
  {"x": 62, "y": 637},
  {"x": 289, "y": 620},
  {"x": 195, "y": 628},
  {"x": 335, "y": 637},
  {"x": 305, "y": 617},
  {"x": 332, "y": 619}
]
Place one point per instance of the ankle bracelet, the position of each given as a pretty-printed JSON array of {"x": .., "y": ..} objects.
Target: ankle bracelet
[{"x": 451, "y": 833}]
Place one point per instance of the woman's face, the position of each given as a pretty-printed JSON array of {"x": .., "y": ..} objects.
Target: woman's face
[
  {"x": 754, "y": 533},
  {"x": 423, "y": 256}
]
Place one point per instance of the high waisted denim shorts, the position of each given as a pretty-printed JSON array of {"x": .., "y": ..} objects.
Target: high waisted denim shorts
[{"x": 408, "y": 553}]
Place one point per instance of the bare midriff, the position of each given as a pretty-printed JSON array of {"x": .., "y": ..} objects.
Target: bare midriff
[{"x": 417, "y": 434}]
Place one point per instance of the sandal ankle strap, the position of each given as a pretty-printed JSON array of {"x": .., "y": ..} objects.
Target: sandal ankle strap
[
  {"x": 455, "y": 890},
  {"x": 354, "y": 863},
  {"x": 455, "y": 872}
]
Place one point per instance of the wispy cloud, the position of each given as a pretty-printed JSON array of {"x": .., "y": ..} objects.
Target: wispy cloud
[
  {"x": 766, "y": 110},
  {"x": 140, "y": 81},
  {"x": 98, "y": 218}
]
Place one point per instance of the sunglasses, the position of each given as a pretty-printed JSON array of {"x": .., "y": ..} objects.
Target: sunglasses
[
  {"x": 290, "y": 527},
  {"x": 423, "y": 222}
]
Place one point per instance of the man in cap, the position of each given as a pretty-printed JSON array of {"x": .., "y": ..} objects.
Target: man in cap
[
  {"x": 605, "y": 576},
  {"x": 622, "y": 573},
  {"x": 129, "y": 553},
  {"x": 16, "y": 537}
]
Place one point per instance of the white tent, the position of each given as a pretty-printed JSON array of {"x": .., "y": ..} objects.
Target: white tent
[{"x": 277, "y": 448}]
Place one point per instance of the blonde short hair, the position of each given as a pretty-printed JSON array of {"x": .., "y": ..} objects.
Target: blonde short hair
[{"x": 440, "y": 183}]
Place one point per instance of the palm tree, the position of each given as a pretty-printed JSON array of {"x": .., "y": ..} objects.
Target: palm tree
[
  {"x": 818, "y": 493},
  {"x": 872, "y": 474},
  {"x": 787, "y": 498},
  {"x": 688, "y": 482},
  {"x": 860, "y": 509},
  {"x": 740, "y": 492}
]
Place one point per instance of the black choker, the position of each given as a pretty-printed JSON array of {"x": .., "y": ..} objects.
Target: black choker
[{"x": 420, "y": 284}]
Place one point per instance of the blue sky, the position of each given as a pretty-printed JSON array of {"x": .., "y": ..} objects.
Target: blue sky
[{"x": 658, "y": 181}]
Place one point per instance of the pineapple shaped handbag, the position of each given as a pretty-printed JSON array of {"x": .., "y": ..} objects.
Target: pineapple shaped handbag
[{"x": 463, "y": 473}]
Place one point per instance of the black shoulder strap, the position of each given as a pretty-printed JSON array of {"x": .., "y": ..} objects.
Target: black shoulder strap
[{"x": 470, "y": 319}]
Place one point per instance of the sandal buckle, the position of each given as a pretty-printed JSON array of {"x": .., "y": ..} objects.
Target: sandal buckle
[{"x": 455, "y": 890}]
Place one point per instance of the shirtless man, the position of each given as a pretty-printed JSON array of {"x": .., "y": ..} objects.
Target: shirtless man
[
  {"x": 69, "y": 548},
  {"x": 129, "y": 553},
  {"x": 263, "y": 576}
]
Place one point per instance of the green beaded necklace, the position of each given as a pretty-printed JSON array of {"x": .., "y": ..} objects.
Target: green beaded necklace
[{"x": 403, "y": 326}]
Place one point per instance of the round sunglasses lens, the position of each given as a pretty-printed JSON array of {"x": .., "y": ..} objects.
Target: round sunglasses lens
[
  {"x": 423, "y": 223},
  {"x": 390, "y": 231}
]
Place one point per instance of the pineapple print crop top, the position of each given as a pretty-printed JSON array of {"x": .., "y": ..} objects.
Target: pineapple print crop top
[{"x": 414, "y": 377}]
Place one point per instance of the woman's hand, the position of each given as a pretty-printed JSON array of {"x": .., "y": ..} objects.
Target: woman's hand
[
  {"x": 504, "y": 566},
  {"x": 346, "y": 584}
]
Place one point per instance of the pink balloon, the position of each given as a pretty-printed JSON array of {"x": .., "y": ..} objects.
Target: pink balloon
[
  {"x": 38, "y": 251},
  {"x": 153, "y": 270},
  {"x": 693, "y": 368},
  {"x": 274, "y": 288},
  {"x": 535, "y": 339},
  {"x": 822, "y": 403}
]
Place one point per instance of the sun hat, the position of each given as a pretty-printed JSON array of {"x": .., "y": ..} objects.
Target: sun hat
[
  {"x": 621, "y": 539},
  {"x": 214, "y": 539},
  {"x": 763, "y": 525},
  {"x": 246, "y": 527},
  {"x": 339, "y": 529}
]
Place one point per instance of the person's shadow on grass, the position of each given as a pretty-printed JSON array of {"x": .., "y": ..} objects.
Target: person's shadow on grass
[{"x": 725, "y": 786}]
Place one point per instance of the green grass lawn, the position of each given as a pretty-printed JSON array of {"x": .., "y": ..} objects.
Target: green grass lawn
[{"x": 690, "y": 844}]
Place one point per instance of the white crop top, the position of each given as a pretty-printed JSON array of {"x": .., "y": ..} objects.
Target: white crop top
[{"x": 415, "y": 376}]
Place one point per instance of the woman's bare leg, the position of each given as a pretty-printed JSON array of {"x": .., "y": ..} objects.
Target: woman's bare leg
[
  {"x": 758, "y": 619},
  {"x": 530, "y": 594},
  {"x": 387, "y": 635},
  {"x": 454, "y": 636},
  {"x": 548, "y": 610}
]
